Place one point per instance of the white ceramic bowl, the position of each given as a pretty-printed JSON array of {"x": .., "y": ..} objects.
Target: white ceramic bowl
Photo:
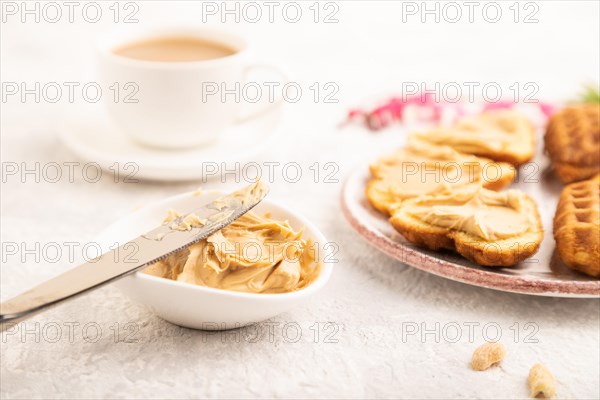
[{"x": 200, "y": 307}]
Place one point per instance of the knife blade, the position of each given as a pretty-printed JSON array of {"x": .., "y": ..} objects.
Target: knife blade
[{"x": 134, "y": 255}]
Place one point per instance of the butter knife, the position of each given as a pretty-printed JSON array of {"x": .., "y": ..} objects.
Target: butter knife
[{"x": 134, "y": 255}]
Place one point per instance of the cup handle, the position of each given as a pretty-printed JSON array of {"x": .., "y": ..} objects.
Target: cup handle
[{"x": 272, "y": 106}]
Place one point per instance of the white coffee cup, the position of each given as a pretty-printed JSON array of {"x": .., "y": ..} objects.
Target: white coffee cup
[{"x": 167, "y": 104}]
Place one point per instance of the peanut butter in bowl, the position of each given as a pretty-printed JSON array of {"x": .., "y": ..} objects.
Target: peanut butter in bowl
[
  {"x": 268, "y": 261},
  {"x": 254, "y": 254}
]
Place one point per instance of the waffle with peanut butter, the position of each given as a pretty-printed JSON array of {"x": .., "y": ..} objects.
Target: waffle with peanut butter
[
  {"x": 501, "y": 135},
  {"x": 489, "y": 228},
  {"x": 577, "y": 226},
  {"x": 421, "y": 168},
  {"x": 572, "y": 142}
]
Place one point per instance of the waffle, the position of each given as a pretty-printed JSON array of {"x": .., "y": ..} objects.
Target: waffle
[
  {"x": 421, "y": 168},
  {"x": 577, "y": 226},
  {"x": 501, "y": 135},
  {"x": 572, "y": 142},
  {"x": 415, "y": 220}
]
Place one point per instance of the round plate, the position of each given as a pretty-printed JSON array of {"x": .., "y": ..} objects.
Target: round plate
[
  {"x": 95, "y": 138},
  {"x": 543, "y": 274}
]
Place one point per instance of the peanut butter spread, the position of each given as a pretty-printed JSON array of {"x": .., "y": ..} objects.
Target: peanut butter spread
[
  {"x": 483, "y": 213},
  {"x": 187, "y": 223},
  {"x": 252, "y": 254},
  {"x": 421, "y": 168},
  {"x": 492, "y": 131}
]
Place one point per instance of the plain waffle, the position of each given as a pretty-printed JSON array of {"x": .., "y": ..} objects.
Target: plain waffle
[
  {"x": 577, "y": 226},
  {"x": 572, "y": 142}
]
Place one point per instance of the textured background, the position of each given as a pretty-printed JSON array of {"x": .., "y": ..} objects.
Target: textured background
[{"x": 118, "y": 349}]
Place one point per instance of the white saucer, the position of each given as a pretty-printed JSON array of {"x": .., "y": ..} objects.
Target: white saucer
[{"x": 95, "y": 138}]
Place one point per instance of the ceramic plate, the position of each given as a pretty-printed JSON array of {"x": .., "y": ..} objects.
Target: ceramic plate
[{"x": 543, "y": 274}]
